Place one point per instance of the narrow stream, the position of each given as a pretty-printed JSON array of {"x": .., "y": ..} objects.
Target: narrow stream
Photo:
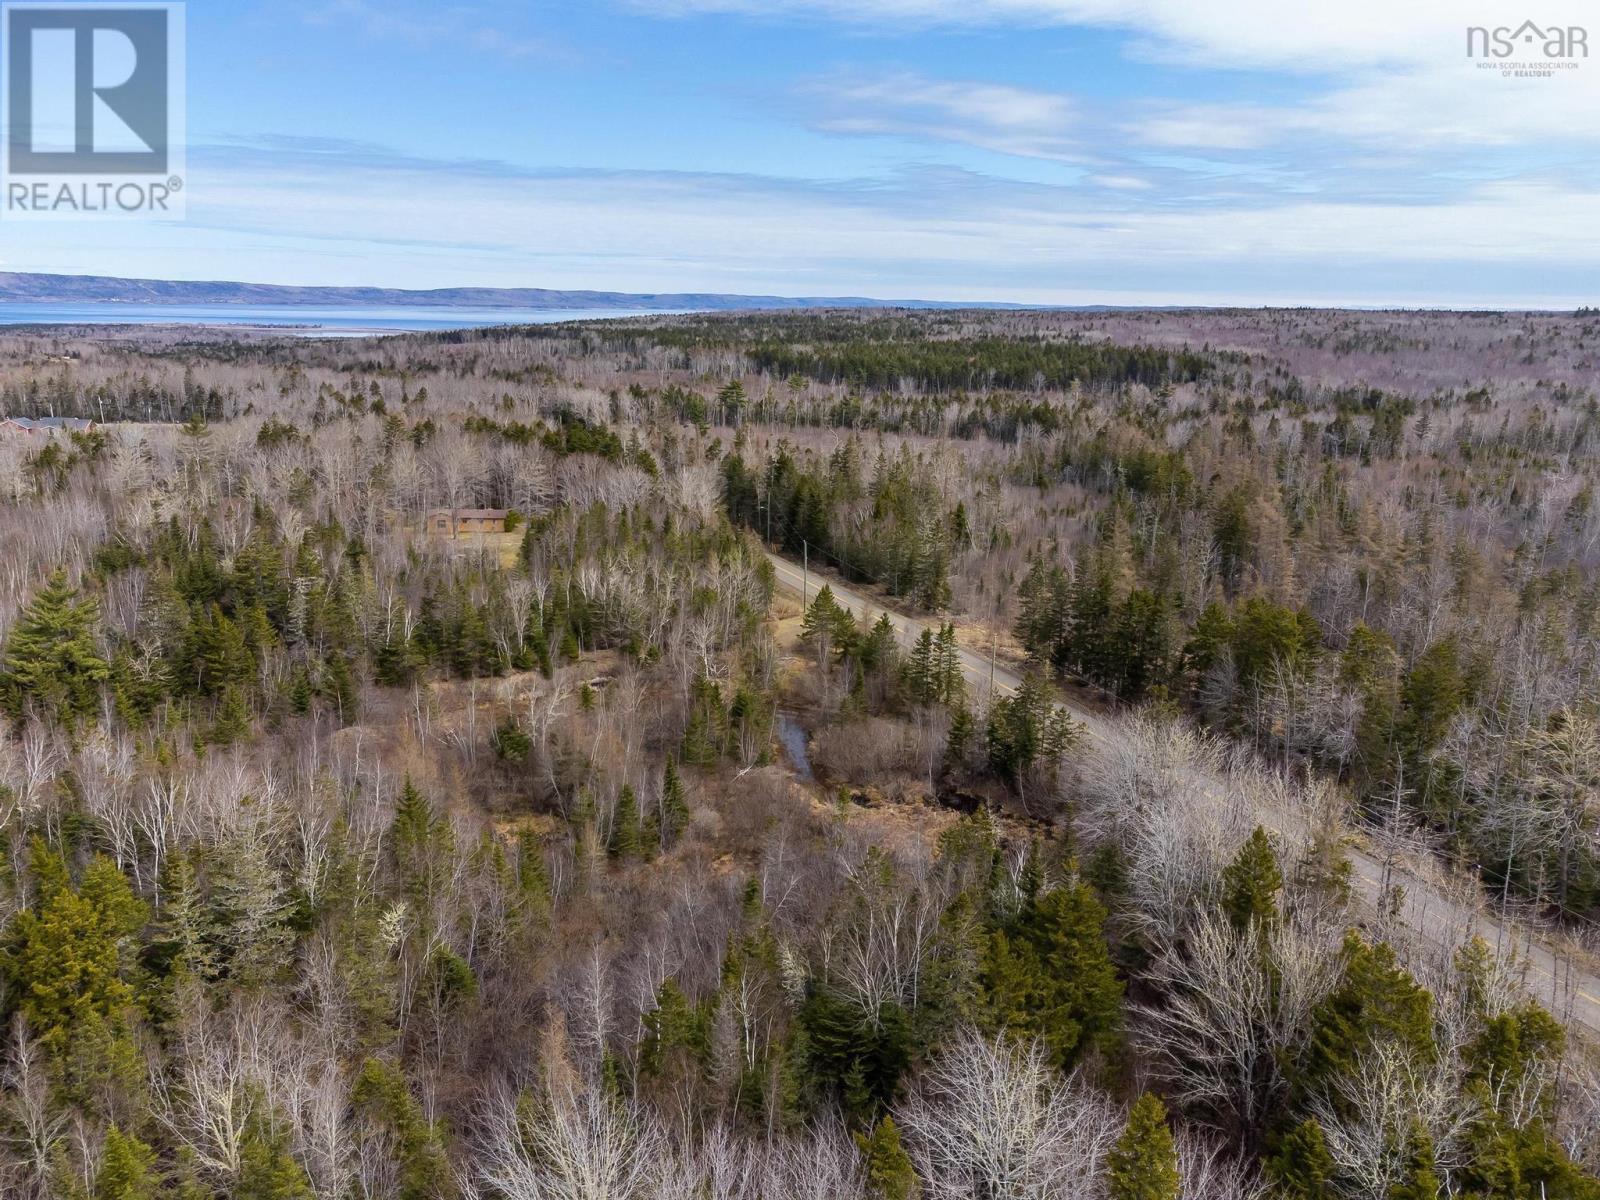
[{"x": 793, "y": 736}]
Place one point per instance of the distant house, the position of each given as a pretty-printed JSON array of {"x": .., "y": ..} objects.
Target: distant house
[
  {"x": 450, "y": 522},
  {"x": 45, "y": 426}
]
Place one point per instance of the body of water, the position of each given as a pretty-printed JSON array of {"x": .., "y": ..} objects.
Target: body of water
[
  {"x": 795, "y": 742},
  {"x": 309, "y": 320}
]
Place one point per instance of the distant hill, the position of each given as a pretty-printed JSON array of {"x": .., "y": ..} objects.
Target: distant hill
[{"x": 19, "y": 287}]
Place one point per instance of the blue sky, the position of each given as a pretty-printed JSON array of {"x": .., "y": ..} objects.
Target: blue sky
[{"x": 1048, "y": 151}]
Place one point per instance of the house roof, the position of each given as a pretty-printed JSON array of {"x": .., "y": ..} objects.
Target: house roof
[{"x": 490, "y": 514}]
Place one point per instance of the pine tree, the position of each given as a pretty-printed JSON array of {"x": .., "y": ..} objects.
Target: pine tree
[
  {"x": 533, "y": 879},
  {"x": 67, "y": 963},
  {"x": 127, "y": 1169},
  {"x": 890, "y": 1175},
  {"x": 419, "y": 840},
  {"x": 1420, "y": 1178},
  {"x": 1039, "y": 617},
  {"x": 232, "y": 722},
  {"x": 705, "y": 735},
  {"x": 1302, "y": 1168},
  {"x": 674, "y": 805},
  {"x": 179, "y": 945},
  {"x": 1376, "y": 1000},
  {"x": 382, "y": 1096},
  {"x": 51, "y": 661},
  {"x": 920, "y": 672},
  {"x": 267, "y": 1171},
  {"x": 1027, "y": 729},
  {"x": 1050, "y": 975},
  {"x": 1144, "y": 1162},
  {"x": 828, "y": 627},
  {"x": 675, "y": 1028},
  {"x": 951, "y": 683},
  {"x": 1251, "y": 883},
  {"x": 218, "y": 654},
  {"x": 963, "y": 728},
  {"x": 624, "y": 841}
]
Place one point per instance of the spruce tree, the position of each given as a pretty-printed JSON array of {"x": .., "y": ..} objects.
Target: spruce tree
[
  {"x": 267, "y": 1171},
  {"x": 1419, "y": 1179},
  {"x": 624, "y": 842},
  {"x": 674, "y": 805},
  {"x": 1376, "y": 1000},
  {"x": 127, "y": 1169},
  {"x": 1144, "y": 1162},
  {"x": 1251, "y": 883},
  {"x": 67, "y": 962},
  {"x": 51, "y": 662},
  {"x": 920, "y": 673},
  {"x": 890, "y": 1175},
  {"x": 1049, "y": 975},
  {"x": 1302, "y": 1168}
]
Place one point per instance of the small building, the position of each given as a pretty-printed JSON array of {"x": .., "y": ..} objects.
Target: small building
[
  {"x": 44, "y": 426},
  {"x": 452, "y": 522}
]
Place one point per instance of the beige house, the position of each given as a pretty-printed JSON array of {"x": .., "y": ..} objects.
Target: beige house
[{"x": 452, "y": 522}]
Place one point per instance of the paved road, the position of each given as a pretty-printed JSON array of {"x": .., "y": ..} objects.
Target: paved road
[{"x": 1550, "y": 977}]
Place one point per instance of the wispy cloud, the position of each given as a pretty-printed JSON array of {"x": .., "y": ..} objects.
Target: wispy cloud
[
  {"x": 989, "y": 116},
  {"x": 941, "y": 234},
  {"x": 1370, "y": 70}
]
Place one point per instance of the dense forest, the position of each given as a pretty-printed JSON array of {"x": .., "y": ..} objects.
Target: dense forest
[{"x": 349, "y": 859}]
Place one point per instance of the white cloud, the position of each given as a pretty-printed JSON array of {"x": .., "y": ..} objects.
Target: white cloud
[
  {"x": 955, "y": 236},
  {"x": 996, "y": 117},
  {"x": 1256, "y": 33},
  {"x": 1122, "y": 183},
  {"x": 1383, "y": 72}
]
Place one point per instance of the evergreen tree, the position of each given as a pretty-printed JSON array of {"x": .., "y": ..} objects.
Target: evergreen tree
[
  {"x": 419, "y": 842},
  {"x": 1301, "y": 1167},
  {"x": 890, "y": 1175},
  {"x": 68, "y": 957},
  {"x": 675, "y": 1030},
  {"x": 674, "y": 805},
  {"x": 1251, "y": 883},
  {"x": 232, "y": 721},
  {"x": 1028, "y": 729},
  {"x": 51, "y": 661},
  {"x": 951, "y": 683},
  {"x": 920, "y": 673},
  {"x": 267, "y": 1171},
  {"x": 1420, "y": 1178},
  {"x": 180, "y": 942},
  {"x": 1144, "y": 1162},
  {"x": 827, "y": 626},
  {"x": 705, "y": 735},
  {"x": 624, "y": 841},
  {"x": 1040, "y": 617},
  {"x": 1049, "y": 975},
  {"x": 383, "y": 1098},
  {"x": 963, "y": 728},
  {"x": 1376, "y": 1000},
  {"x": 127, "y": 1169}
]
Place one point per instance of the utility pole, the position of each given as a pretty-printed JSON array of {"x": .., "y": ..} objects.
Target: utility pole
[{"x": 805, "y": 573}]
